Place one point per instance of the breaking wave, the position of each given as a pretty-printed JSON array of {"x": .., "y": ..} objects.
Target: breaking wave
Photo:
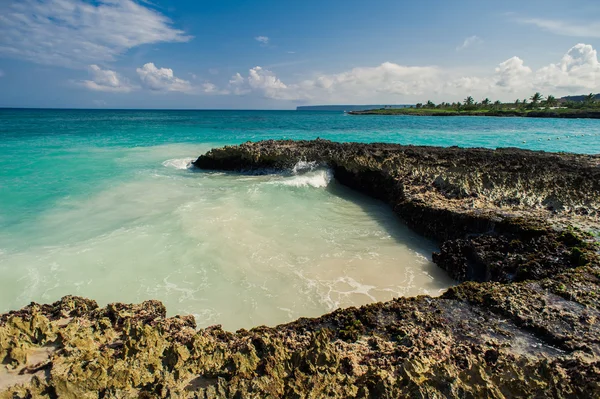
[
  {"x": 307, "y": 174},
  {"x": 181, "y": 163},
  {"x": 318, "y": 179}
]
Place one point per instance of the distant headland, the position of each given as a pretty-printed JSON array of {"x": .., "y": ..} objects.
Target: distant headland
[{"x": 537, "y": 107}]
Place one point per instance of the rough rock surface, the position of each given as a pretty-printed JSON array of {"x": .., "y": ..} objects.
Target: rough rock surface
[{"x": 517, "y": 226}]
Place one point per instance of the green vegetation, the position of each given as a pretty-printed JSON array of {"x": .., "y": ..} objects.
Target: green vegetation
[{"x": 537, "y": 106}]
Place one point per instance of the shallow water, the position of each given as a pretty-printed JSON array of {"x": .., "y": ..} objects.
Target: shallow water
[{"x": 103, "y": 205}]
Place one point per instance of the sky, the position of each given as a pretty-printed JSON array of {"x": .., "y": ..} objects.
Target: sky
[{"x": 274, "y": 54}]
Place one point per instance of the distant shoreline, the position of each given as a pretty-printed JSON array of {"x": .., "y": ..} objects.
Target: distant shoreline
[{"x": 549, "y": 113}]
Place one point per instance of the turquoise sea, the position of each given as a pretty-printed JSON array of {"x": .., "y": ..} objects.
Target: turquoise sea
[{"x": 103, "y": 204}]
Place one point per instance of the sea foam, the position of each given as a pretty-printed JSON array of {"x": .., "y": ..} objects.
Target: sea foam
[
  {"x": 178, "y": 163},
  {"x": 304, "y": 166},
  {"x": 318, "y": 179},
  {"x": 307, "y": 174}
]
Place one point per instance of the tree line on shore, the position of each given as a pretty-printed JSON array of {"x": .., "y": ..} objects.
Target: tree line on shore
[{"x": 536, "y": 101}]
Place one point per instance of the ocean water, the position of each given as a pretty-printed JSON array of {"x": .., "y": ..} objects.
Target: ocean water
[{"x": 104, "y": 204}]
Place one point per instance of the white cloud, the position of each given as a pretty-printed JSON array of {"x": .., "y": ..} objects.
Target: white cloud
[
  {"x": 236, "y": 79},
  {"x": 512, "y": 73},
  {"x": 264, "y": 40},
  {"x": 385, "y": 81},
  {"x": 210, "y": 88},
  {"x": 265, "y": 81},
  {"x": 106, "y": 80},
  {"x": 579, "y": 70},
  {"x": 564, "y": 28},
  {"x": 237, "y": 85},
  {"x": 469, "y": 42},
  {"x": 76, "y": 33},
  {"x": 370, "y": 82},
  {"x": 162, "y": 79}
]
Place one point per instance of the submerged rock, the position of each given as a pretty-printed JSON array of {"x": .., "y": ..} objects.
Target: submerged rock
[{"x": 525, "y": 323}]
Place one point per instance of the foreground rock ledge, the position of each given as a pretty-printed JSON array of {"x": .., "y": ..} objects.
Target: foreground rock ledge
[{"x": 518, "y": 227}]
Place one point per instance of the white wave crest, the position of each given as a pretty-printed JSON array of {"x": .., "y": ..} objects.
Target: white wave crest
[
  {"x": 318, "y": 179},
  {"x": 304, "y": 166},
  {"x": 181, "y": 163}
]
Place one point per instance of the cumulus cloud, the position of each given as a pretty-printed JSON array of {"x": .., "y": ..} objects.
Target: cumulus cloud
[
  {"x": 106, "y": 80},
  {"x": 512, "y": 73},
  {"x": 162, "y": 79},
  {"x": 264, "y": 40},
  {"x": 77, "y": 33},
  {"x": 267, "y": 82},
  {"x": 237, "y": 85},
  {"x": 469, "y": 42},
  {"x": 578, "y": 71},
  {"x": 565, "y": 28}
]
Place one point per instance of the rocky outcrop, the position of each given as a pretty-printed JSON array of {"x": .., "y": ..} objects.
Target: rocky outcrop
[
  {"x": 517, "y": 226},
  {"x": 500, "y": 215}
]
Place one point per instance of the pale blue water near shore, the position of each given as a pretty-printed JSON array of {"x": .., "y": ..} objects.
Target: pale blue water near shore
[{"x": 102, "y": 204}]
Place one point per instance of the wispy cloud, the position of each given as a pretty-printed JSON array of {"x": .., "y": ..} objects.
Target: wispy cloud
[
  {"x": 1, "y": 73},
  {"x": 566, "y": 28},
  {"x": 263, "y": 40},
  {"x": 77, "y": 33},
  {"x": 469, "y": 42}
]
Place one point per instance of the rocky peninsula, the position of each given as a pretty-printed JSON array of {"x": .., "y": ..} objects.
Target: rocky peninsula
[{"x": 519, "y": 230}]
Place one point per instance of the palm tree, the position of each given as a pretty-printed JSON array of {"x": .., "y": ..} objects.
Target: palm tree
[
  {"x": 486, "y": 102},
  {"x": 589, "y": 99},
  {"x": 551, "y": 101},
  {"x": 497, "y": 103},
  {"x": 430, "y": 104},
  {"x": 536, "y": 99},
  {"x": 469, "y": 101}
]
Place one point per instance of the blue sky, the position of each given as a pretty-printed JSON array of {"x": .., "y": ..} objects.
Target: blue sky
[{"x": 280, "y": 54}]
